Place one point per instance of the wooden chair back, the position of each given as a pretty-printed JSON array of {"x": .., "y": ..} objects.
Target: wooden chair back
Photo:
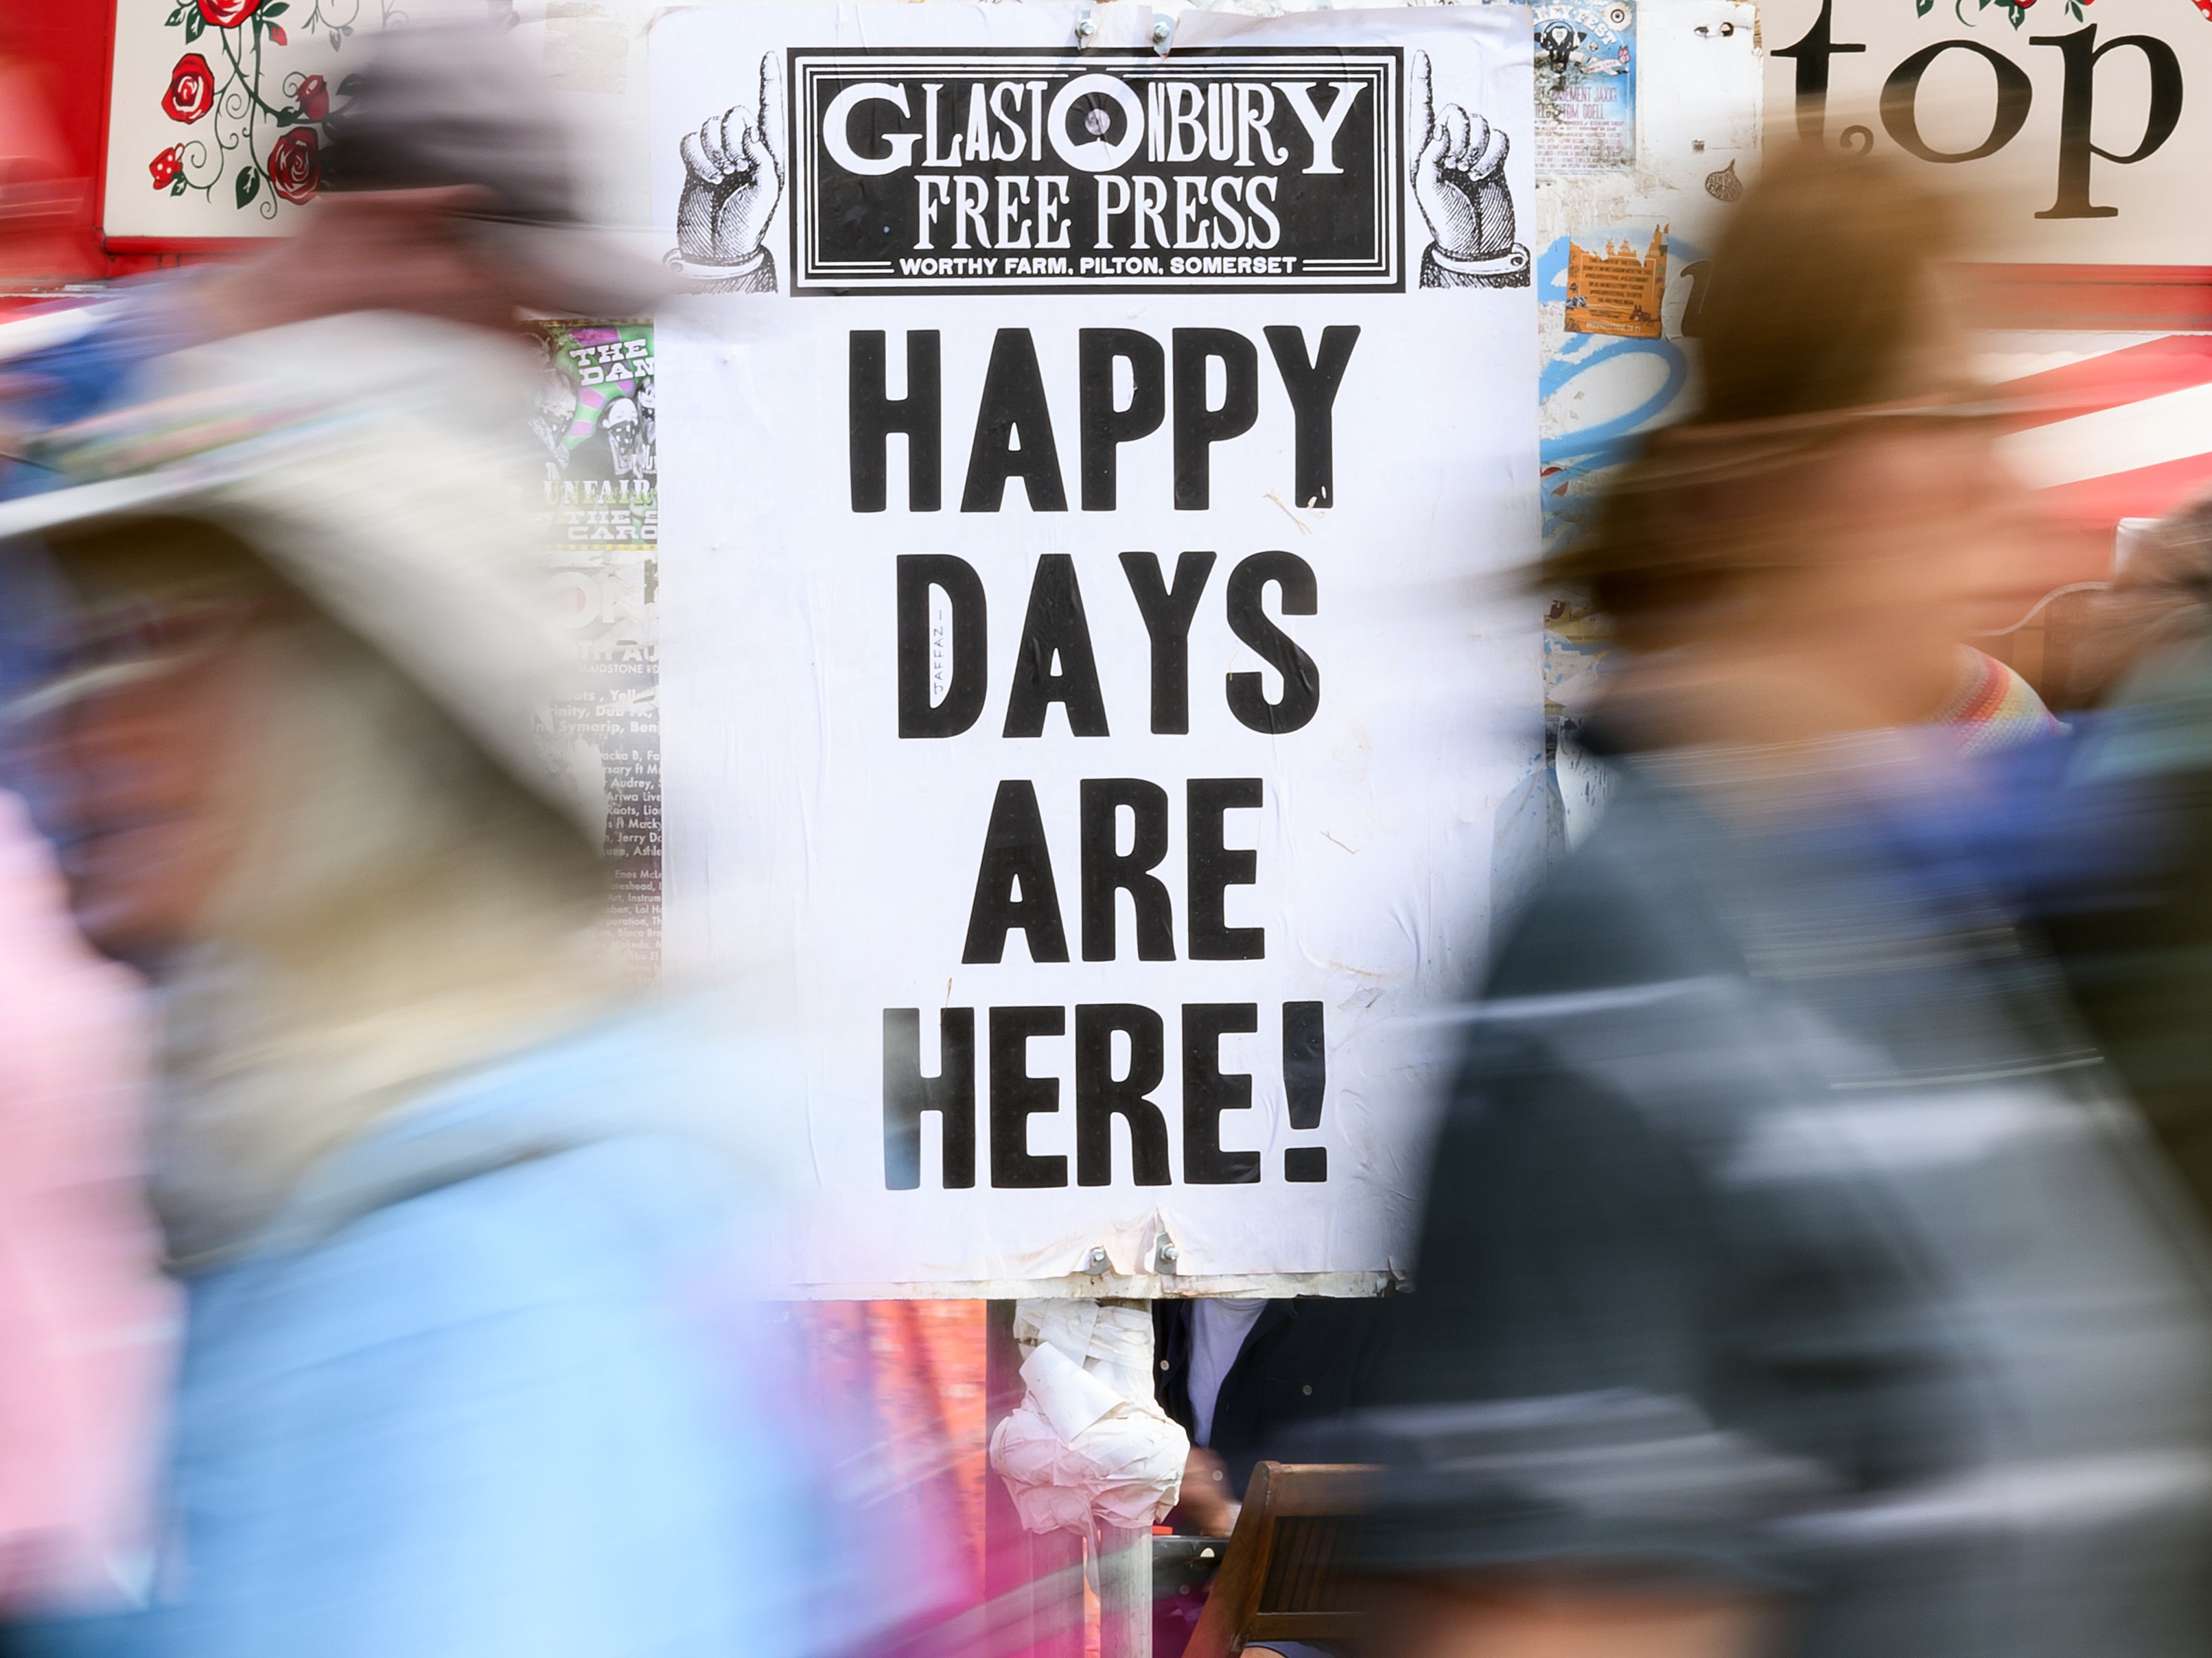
[{"x": 1283, "y": 1576}]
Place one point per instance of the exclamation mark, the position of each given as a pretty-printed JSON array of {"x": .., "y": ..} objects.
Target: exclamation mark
[{"x": 1305, "y": 1079}]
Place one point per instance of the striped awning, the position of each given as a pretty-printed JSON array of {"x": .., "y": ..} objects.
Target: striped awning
[{"x": 2108, "y": 426}]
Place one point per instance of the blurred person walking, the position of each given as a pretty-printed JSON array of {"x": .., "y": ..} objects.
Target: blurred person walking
[
  {"x": 457, "y": 1214},
  {"x": 450, "y": 1214},
  {"x": 1795, "y": 1278}
]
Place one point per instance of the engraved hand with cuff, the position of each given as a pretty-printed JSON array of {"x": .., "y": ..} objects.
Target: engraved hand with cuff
[
  {"x": 1459, "y": 180},
  {"x": 733, "y": 179}
]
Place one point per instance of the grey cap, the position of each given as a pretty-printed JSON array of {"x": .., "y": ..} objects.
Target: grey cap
[{"x": 445, "y": 102}]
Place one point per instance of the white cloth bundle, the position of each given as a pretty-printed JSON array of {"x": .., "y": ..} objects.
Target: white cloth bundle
[{"x": 1088, "y": 1444}]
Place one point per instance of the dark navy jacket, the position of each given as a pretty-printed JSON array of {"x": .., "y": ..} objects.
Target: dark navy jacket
[{"x": 1305, "y": 1363}]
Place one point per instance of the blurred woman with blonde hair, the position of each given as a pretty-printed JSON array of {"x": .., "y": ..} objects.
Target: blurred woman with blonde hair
[{"x": 1794, "y": 1278}]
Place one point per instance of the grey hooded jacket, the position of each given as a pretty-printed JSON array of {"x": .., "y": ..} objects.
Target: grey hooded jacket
[{"x": 1784, "y": 1236}]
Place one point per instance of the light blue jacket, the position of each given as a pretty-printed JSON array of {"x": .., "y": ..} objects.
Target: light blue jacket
[{"x": 482, "y": 1390}]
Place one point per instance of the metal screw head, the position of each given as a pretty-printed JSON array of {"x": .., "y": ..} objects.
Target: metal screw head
[
  {"x": 1167, "y": 1254},
  {"x": 1162, "y": 28},
  {"x": 1086, "y": 26},
  {"x": 1097, "y": 1262}
]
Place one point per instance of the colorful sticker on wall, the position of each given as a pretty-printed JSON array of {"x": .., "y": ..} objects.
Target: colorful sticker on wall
[
  {"x": 1585, "y": 86},
  {"x": 596, "y": 421},
  {"x": 1617, "y": 291},
  {"x": 596, "y": 431}
]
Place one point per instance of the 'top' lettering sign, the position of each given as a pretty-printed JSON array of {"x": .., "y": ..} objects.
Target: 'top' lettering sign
[{"x": 2084, "y": 125}]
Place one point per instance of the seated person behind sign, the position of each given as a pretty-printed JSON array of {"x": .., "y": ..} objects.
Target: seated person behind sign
[
  {"x": 1248, "y": 1379},
  {"x": 1243, "y": 1376}
]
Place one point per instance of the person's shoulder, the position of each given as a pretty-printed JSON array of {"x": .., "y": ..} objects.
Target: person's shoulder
[
  {"x": 1626, "y": 907},
  {"x": 680, "y": 1067},
  {"x": 524, "y": 1253},
  {"x": 638, "y": 1120},
  {"x": 1619, "y": 1009}
]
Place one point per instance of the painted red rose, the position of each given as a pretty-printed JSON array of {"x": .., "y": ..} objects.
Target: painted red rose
[
  {"x": 314, "y": 96},
  {"x": 191, "y": 89},
  {"x": 295, "y": 165},
  {"x": 168, "y": 167},
  {"x": 229, "y": 14}
]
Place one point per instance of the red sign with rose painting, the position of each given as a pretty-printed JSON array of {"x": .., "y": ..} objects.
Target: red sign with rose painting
[{"x": 218, "y": 111}]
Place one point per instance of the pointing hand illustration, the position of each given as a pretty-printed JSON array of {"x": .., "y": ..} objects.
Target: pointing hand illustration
[
  {"x": 1459, "y": 175},
  {"x": 734, "y": 177}
]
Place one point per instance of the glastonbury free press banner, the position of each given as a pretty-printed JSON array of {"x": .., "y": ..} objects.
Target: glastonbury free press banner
[{"x": 1008, "y": 169}]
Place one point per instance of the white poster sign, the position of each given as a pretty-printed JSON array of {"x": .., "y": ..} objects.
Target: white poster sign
[
  {"x": 1093, "y": 671},
  {"x": 2081, "y": 127}
]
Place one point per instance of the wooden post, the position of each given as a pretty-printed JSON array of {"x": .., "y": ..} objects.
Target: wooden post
[
  {"x": 1125, "y": 1593},
  {"x": 1125, "y": 1571}
]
